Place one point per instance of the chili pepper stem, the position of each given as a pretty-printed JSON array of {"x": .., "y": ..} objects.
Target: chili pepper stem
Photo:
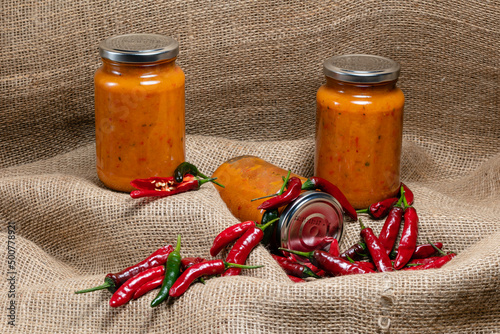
[
  {"x": 440, "y": 251},
  {"x": 211, "y": 180},
  {"x": 405, "y": 203},
  {"x": 304, "y": 254},
  {"x": 361, "y": 224},
  {"x": 108, "y": 282},
  {"x": 267, "y": 196},
  {"x": 285, "y": 182},
  {"x": 350, "y": 260},
  {"x": 178, "y": 245},
  {"x": 363, "y": 210},
  {"x": 263, "y": 227},
  {"x": 242, "y": 266},
  {"x": 402, "y": 198},
  {"x": 201, "y": 181}
]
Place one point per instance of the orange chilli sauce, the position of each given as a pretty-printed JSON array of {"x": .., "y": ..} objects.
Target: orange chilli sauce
[
  {"x": 139, "y": 118},
  {"x": 359, "y": 139},
  {"x": 246, "y": 178}
]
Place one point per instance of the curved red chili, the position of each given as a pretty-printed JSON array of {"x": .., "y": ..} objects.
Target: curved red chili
[
  {"x": 229, "y": 235},
  {"x": 242, "y": 248},
  {"x": 408, "y": 241},
  {"x": 165, "y": 186},
  {"x": 206, "y": 268},
  {"x": 315, "y": 182},
  {"x": 113, "y": 281},
  {"x": 392, "y": 224},
  {"x": 125, "y": 293},
  {"x": 380, "y": 209},
  {"x": 292, "y": 192},
  {"x": 355, "y": 252},
  {"x": 333, "y": 265},
  {"x": 421, "y": 251},
  {"x": 149, "y": 286},
  {"x": 365, "y": 265},
  {"x": 244, "y": 245},
  {"x": 294, "y": 268},
  {"x": 379, "y": 255},
  {"x": 437, "y": 263}
]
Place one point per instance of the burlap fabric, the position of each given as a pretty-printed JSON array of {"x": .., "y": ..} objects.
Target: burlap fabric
[{"x": 252, "y": 71}]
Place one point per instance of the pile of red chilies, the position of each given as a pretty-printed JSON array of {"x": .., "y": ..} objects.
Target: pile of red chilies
[
  {"x": 377, "y": 250},
  {"x": 167, "y": 270}
]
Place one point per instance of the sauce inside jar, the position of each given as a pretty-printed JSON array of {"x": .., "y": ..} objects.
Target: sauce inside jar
[
  {"x": 139, "y": 109},
  {"x": 246, "y": 178},
  {"x": 359, "y": 127}
]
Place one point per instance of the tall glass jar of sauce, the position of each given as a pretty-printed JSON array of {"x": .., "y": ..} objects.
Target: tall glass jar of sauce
[
  {"x": 139, "y": 109},
  {"x": 359, "y": 127}
]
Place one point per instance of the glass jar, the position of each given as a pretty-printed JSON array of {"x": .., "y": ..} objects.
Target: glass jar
[
  {"x": 359, "y": 127},
  {"x": 139, "y": 109},
  {"x": 304, "y": 224}
]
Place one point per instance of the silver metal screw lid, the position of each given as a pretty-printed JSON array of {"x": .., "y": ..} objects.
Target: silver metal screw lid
[
  {"x": 139, "y": 48},
  {"x": 305, "y": 223},
  {"x": 360, "y": 68}
]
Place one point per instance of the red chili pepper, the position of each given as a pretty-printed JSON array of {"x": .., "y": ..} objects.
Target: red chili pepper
[
  {"x": 378, "y": 253},
  {"x": 363, "y": 264},
  {"x": 243, "y": 246},
  {"x": 408, "y": 241},
  {"x": 331, "y": 264},
  {"x": 380, "y": 210},
  {"x": 292, "y": 192},
  {"x": 423, "y": 261},
  {"x": 315, "y": 182},
  {"x": 355, "y": 252},
  {"x": 294, "y": 268},
  {"x": 438, "y": 263},
  {"x": 125, "y": 293},
  {"x": 390, "y": 230},
  {"x": 334, "y": 248},
  {"x": 165, "y": 186},
  {"x": 149, "y": 286},
  {"x": 421, "y": 251},
  {"x": 113, "y": 281},
  {"x": 229, "y": 235},
  {"x": 207, "y": 268},
  {"x": 366, "y": 265},
  {"x": 296, "y": 279}
]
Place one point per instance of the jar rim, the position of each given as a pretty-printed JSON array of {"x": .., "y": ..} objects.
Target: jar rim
[
  {"x": 361, "y": 68},
  {"x": 139, "y": 48}
]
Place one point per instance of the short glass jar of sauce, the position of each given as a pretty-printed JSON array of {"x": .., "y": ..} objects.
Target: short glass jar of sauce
[
  {"x": 139, "y": 109},
  {"x": 304, "y": 224},
  {"x": 359, "y": 127}
]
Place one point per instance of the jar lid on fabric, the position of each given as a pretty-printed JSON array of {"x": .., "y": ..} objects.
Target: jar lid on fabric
[
  {"x": 309, "y": 223},
  {"x": 360, "y": 68},
  {"x": 139, "y": 48}
]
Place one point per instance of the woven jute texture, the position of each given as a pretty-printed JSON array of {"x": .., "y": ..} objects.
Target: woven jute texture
[{"x": 252, "y": 71}]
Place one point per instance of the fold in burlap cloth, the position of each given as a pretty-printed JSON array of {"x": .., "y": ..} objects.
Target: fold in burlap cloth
[{"x": 252, "y": 71}]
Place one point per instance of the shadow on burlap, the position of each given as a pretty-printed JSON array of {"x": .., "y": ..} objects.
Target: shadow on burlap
[{"x": 252, "y": 71}]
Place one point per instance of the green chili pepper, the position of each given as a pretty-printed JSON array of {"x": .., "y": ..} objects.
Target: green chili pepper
[
  {"x": 187, "y": 168},
  {"x": 268, "y": 232},
  {"x": 172, "y": 272}
]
